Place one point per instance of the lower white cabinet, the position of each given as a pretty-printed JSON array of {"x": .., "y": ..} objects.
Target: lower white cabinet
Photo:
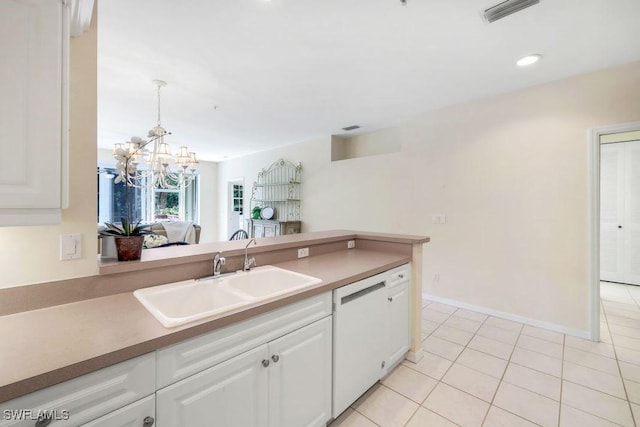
[
  {"x": 137, "y": 414},
  {"x": 286, "y": 382},
  {"x": 398, "y": 344}
]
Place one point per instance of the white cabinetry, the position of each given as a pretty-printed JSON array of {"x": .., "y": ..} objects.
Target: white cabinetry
[
  {"x": 398, "y": 302},
  {"x": 138, "y": 414},
  {"x": 87, "y": 397},
  {"x": 33, "y": 74},
  {"x": 286, "y": 382}
]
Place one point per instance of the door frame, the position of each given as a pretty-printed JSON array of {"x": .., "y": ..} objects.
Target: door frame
[
  {"x": 230, "y": 184},
  {"x": 594, "y": 218}
]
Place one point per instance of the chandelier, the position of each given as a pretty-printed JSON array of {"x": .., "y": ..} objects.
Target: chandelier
[{"x": 147, "y": 163}]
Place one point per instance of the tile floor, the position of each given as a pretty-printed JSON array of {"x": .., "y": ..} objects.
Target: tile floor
[{"x": 480, "y": 370}]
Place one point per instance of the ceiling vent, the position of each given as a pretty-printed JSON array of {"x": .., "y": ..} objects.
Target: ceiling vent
[
  {"x": 507, "y": 8},
  {"x": 352, "y": 127}
]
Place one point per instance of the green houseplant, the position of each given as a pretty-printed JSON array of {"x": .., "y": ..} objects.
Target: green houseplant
[{"x": 128, "y": 238}]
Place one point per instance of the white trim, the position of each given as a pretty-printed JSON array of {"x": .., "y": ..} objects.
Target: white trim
[
  {"x": 509, "y": 316},
  {"x": 19, "y": 217},
  {"x": 593, "y": 210},
  {"x": 81, "y": 11}
]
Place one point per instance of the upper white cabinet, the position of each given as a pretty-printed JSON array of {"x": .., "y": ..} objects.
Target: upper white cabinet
[{"x": 33, "y": 112}]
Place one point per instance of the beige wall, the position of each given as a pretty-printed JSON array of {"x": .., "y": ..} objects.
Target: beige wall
[
  {"x": 208, "y": 201},
  {"x": 31, "y": 254},
  {"x": 510, "y": 173}
]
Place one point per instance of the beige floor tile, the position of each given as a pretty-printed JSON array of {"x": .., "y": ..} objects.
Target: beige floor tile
[
  {"x": 629, "y": 314},
  {"x": 540, "y": 346},
  {"x": 537, "y": 361},
  {"x": 351, "y": 418},
  {"x": 591, "y": 360},
  {"x": 509, "y": 325},
  {"x": 490, "y": 346},
  {"x": 429, "y": 326},
  {"x": 426, "y": 418},
  {"x": 597, "y": 380},
  {"x": 597, "y": 403},
  {"x": 633, "y": 391},
  {"x": 630, "y": 371},
  {"x": 600, "y": 348},
  {"x": 532, "y": 380},
  {"x": 498, "y": 417},
  {"x": 433, "y": 315},
  {"x": 626, "y": 342},
  {"x": 543, "y": 334},
  {"x": 442, "y": 348},
  {"x": 449, "y": 403},
  {"x": 455, "y": 335},
  {"x": 476, "y": 383},
  {"x": 483, "y": 362},
  {"x": 571, "y": 417},
  {"x": 430, "y": 364},
  {"x": 471, "y": 315},
  {"x": 425, "y": 302},
  {"x": 385, "y": 407},
  {"x": 498, "y": 334},
  {"x": 628, "y": 355},
  {"x": 442, "y": 308},
  {"x": 623, "y": 321},
  {"x": 463, "y": 324},
  {"x": 528, "y": 405},
  {"x": 635, "y": 408},
  {"x": 410, "y": 383}
]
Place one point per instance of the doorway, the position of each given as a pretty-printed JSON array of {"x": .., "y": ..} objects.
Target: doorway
[
  {"x": 611, "y": 251},
  {"x": 235, "y": 206}
]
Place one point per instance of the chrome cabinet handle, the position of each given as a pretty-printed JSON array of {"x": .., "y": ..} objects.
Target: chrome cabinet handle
[
  {"x": 44, "y": 420},
  {"x": 390, "y": 299},
  {"x": 275, "y": 358},
  {"x": 148, "y": 422},
  {"x": 401, "y": 276},
  {"x": 265, "y": 362}
]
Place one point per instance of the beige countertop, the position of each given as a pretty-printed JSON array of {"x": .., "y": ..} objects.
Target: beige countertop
[{"x": 50, "y": 345}]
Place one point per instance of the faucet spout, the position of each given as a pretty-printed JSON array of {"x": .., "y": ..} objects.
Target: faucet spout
[
  {"x": 248, "y": 262},
  {"x": 218, "y": 262}
]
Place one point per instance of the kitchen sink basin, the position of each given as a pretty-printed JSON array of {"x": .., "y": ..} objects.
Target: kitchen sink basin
[
  {"x": 178, "y": 303},
  {"x": 267, "y": 282}
]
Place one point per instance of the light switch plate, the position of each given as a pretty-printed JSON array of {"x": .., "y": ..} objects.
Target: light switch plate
[
  {"x": 439, "y": 218},
  {"x": 70, "y": 246}
]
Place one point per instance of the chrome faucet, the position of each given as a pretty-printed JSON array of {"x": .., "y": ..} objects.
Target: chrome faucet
[
  {"x": 218, "y": 262},
  {"x": 248, "y": 262}
]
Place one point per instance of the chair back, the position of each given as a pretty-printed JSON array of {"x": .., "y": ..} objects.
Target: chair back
[{"x": 239, "y": 235}]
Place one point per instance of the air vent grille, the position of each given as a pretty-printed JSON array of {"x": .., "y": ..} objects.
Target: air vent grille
[
  {"x": 507, "y": 8},
  {"x": 352, "y": 127}
]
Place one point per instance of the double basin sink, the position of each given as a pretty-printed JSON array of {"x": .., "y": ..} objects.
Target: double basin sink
[{"x": 178, "y": 303}]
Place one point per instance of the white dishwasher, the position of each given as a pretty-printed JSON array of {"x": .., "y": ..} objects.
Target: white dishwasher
[{"x": 360, "y": 339}]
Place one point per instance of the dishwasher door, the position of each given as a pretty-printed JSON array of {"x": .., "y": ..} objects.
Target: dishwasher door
[{"x": 360, "y": 323}]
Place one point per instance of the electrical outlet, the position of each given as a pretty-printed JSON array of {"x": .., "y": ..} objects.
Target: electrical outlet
[
  {"x": 303, "y": 252},
  {"x": 351, "y": 244},
  {"x": 436, "y": 277},
  {"x": 439, "y": 219}
]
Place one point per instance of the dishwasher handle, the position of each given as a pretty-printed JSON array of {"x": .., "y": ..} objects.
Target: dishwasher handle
[{"x": 362, "y": 292}]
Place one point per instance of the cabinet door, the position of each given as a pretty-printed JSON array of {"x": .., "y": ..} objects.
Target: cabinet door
[
  {"x": 230, "y": 394},
  {"x": 300, "y": 377},
  {"x": 33, "y": 46},
  {"x": 271, "y": 230},
  {"x": 133, "y": 415},
  {"x": 398, "y": 323}
]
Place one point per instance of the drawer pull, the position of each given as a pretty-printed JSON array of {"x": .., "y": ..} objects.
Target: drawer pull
[
  {"x": 275, "y": 358},
  {"x": 390, "y": 299},
  {"x": 265, "y": 362},
  {"x": 148, "y": 422}
]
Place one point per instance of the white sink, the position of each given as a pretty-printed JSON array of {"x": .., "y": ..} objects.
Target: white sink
[
  {"x": 178, "y": 303},
  {"x": 267, "y": 282}
]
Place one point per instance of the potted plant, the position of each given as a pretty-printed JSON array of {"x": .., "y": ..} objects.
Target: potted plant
[{"x": 128, "y": 237}]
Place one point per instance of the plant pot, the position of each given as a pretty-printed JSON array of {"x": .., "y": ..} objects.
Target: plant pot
[{"x": 129, "y": 248}]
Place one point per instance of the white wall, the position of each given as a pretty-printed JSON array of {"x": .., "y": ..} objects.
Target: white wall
[
  {"x": 510, "y": 173},
  {"x": 208, "y": 201},
  {"x": 31, "y": 254}
]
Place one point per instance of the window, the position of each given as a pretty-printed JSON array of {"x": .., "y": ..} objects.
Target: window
[
  {"x": 238, "y": 198},
  {"x": 149, "y": 205}
]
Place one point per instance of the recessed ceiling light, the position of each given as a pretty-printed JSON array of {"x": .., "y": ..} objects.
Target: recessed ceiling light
[{"x": 528, "y": 60}]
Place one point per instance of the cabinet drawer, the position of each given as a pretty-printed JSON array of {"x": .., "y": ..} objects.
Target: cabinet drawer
[
  {"x": 399, "y": 275},
  {"x": 87, "y": 397},
  {"x": 195, "y": 355},
  {"x": 130, "y": 416}
]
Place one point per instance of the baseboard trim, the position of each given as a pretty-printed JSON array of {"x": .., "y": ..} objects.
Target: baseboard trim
[
  {"x": 414, "y": 356},
  {"x": 510, "y": 316}
]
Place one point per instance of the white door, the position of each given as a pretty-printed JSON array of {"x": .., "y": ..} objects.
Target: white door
[
  {"x": 231, "y": 394},
  {"x": 235, "y": 203},
  {"x": 300, "y": 377},
  {"x": 398, "y": 323},
  {"x": 631, "y": 226},
  {"x": 611, "y": 212},
  {"x": 620, "y": 212}
]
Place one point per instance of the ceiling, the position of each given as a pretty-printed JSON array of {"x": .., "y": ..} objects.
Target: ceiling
[{"x": 248, "y": 75}]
